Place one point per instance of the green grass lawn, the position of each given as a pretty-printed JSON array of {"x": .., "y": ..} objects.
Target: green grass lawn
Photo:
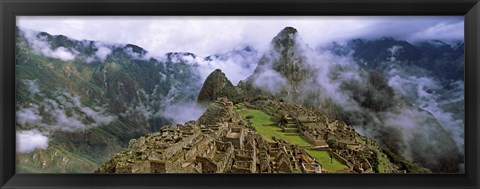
[
  {"x": 260, "y": 120},
  {"x": 324, "y": 159}
]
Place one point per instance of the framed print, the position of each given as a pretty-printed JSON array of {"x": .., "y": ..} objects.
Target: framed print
[{"x": 270, "y": 94}]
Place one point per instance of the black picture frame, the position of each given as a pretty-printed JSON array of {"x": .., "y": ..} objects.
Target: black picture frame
[{"x": 9, "y": 9}]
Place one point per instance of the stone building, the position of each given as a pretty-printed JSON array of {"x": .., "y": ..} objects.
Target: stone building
[{"x": 225, "y": 145}]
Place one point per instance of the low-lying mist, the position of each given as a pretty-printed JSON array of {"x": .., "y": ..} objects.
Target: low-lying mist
[
  {"x": 403, "y": 108},
  {"x": 66, "y": 113},
  {"x": 181, "y": 113}
]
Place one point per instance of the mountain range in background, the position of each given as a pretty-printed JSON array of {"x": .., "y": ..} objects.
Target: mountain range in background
[{"x": 80, "y": 102}]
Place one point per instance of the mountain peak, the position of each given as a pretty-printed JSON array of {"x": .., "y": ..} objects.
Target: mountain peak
[
  {"x": 286, "y": 35},
  {"x": 289, "y": 29},
  {"x": 285, "y": 40},
  {"x": 217, "y": 85},
  {"x": 284, "y": 59}
]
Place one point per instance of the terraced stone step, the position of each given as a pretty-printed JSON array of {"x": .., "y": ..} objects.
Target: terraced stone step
[
  {"x": 291, "y": 126},
  {"x": 290, "y": 130}
]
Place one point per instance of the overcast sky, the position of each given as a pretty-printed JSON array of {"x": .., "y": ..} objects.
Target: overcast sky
[{"x": 208, "y": 35}]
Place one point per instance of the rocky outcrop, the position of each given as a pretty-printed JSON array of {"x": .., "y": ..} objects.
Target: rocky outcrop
[
  {"x": 281, "y": 70},
  {"x": 219, "y": 111},
  {"x": 354, "y": 94},
  {"x": 217, "y": 85}
]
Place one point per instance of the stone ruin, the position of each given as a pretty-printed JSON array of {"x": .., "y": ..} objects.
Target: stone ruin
[
  {"x": 220, "y": 142},
  {"x": 317, "y": 129},
  {"x": 226, "y": 146}
]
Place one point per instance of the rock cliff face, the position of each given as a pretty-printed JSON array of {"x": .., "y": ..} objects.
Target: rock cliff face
[
  {"x": 359, "y": 95},
  {"x": 281, "y": 70},
  {"x": 217, "y": 85},
  {"x": 90, "y": 98},
  {"x": 218, "y": 112},
  {"x": 286, "y": 57},
  {"x": 106, "y": 94}
]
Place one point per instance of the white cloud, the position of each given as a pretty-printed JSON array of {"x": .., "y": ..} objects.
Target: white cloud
[
  {"x": 394, "y": 51},
  {"x": 409, "y": 122},
  {"x": 55, "y": 110},
  {"x": 207, "y": 35},
  {"x": 441, "y": 31},
  {"x": 41, "y": 46},
  {"x": 426, "y": 93},
  {"x": 28, "y": 141},
  {"x": 181, "y": 113},
  {"x": 271, "y": 80},
  {"x": 68, "y": 123},
  {"x": 32, "y": 86},
  {"x": 237, "y": 65},
  {"x": 74, "y": 121},
  {"x": 102, "y": 51},
  {"x": 98, "y": 117},
  {"x": 28, "y": 116},
  {"x": 60, "y": 53}
]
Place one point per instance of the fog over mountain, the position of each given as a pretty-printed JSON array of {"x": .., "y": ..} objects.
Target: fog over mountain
[
  {"x": 395, "y": 101},
  {"x": 208, "y": 35},
  {"x": 405, "y": 91}
]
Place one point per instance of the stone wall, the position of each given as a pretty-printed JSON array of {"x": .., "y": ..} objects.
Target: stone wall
[
  {"x": 146, "y": 167},
  {"x": 313, "y": 139},
  {"x": 340, "y": 159},
  {"x": 208, "y": 165},
  {"x": 122, "y": 167},
  {"x": 236, "y": 136},
  {"x": 174, "y": 149},
  {"x": 158, "y": 167},
  {"x": 205, "y": 145},
  {"x": 225, "y": 162},
  {"x": 310, "y": 168},
  {"x": 243, "y": 167}
]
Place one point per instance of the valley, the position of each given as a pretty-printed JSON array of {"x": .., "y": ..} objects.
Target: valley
[{"x": 117, "y": 108}]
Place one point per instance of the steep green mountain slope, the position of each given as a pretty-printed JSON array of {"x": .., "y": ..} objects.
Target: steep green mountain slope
[
  {"x": 217, "y": 85},
  {"x": 182, "y": 148},
  {"x": 337, "y": 86},
  {"x": 428, "y": 74},
  {"x": 80, "y": 102},
  {"x": 90, "y": 98}
]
